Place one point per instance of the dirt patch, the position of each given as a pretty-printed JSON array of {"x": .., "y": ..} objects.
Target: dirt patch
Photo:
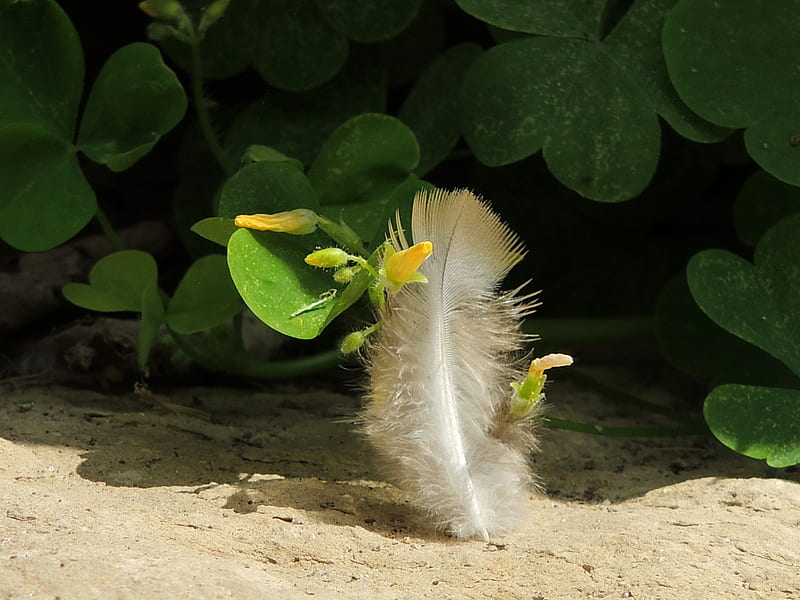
[{"x": 230, "y": 493}]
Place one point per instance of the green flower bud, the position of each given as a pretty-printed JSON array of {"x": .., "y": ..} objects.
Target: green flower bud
[
  {"x": 345, "y": 274},
  {"x": 352, "y": 342},
  {"x": 213, "y": 14},
  {"x": 167, "y": 10},
  {"x": 328, "y": 257}
]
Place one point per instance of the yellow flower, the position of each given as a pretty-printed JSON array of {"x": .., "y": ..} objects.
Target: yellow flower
[
  {"x": 401, "y": 267},
  {"x": 530, "y": 392},
  {"x": 299, "y": 221},
  {"x": 541, "y": 364}
]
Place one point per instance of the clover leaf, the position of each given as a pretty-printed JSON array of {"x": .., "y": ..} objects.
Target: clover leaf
[
  {"x": 45, "y": 197},
  {"x": 735, "y": 64},
  {"x": 125, "y": 281},
  {"x": 589, "y": 101},
  {"x": 758, "y": 302}
]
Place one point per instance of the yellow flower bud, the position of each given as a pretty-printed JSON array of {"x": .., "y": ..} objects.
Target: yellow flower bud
[
  {"x": 541, "y": 364},
  {"x": 299, "y": 221},
  {"x": 401, "y": 267},
  {"x": 530, "y": 392}
]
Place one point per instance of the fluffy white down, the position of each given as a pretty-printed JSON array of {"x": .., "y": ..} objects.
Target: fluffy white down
[{"x": 440, "y": 369}]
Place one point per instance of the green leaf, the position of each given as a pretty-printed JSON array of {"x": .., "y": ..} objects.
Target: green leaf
[
  {"x": 45, "y": 199},
  {"x": 297, "y": 124},
  {"x": 216, "y": 229},
  {"x": 696, "y": 345},
  {"x": 431, "y": 108},
  {"x": 404, "y": 56},
  {"x": 259, "y": 153},
  {"x": 567, "y": 97},
  {"x": 134, "y": 101},
  {"x": 758, "y": 422},
  {"x": 266, "y": 187},
  {"x": 297, "y": 49},
  {"x": 735, "y": 65},
  {"x": 762, "y": 202},
  {"x": 116, "y": 282},
  {"x": 590, "y": 106},
  {"x": 369, "y": 21},
  {"x": 367, "y": 153},
  {"x": 275, "y": 283},
  {"x": 152, "y": 308},
  {"x": 226, "y": 48},
  {"x": 205, "y": 297},
  {"x": 562, "y": 18},
  {"x": 41, "y": 69},
  {"x": 757, "y": 302}
]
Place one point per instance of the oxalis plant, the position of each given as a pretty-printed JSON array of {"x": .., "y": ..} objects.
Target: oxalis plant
[{"x": 587, "y": 100}]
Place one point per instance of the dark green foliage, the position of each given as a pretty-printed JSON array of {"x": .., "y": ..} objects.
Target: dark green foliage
[{"x": 596, "y": 128}]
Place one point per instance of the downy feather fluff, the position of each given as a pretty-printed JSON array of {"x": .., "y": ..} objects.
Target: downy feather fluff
[{"x": 440, "y": 368}]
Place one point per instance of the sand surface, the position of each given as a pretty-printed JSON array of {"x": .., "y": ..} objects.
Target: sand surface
[{"x": 272, "y": 494}]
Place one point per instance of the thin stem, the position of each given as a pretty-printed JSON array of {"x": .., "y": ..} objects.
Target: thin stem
[
  {"x": 681, "y": 430},
  {"x": 587, "y": 330},
  {"x": 262, "y": 370},
  {"x": 202, "y": 111},
  {"x": 623, "y": 397},
  {"x": 105, "y": 224}
]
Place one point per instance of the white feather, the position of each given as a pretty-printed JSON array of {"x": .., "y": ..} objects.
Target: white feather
[{"x": 440, "y": 370}]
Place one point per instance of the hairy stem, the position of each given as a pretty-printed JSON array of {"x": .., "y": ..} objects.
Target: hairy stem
[
  {"x": 262, "y": 370},
  {"x": 681, "y": 430},
  {"x": 201, "y": 109},
  {"x": 623, "y": 397},
  {"x": 587, "y": 330},
  {"x": 105, "y": 224}
]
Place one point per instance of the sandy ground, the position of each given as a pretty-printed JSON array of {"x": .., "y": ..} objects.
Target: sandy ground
[{"x": 256, "y": 494}]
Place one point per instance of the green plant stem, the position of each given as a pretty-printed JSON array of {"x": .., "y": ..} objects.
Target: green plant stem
[
  {"x": 576, "y": 376},
  {"x": 262, "y": 370},
  {"x": 105, "y": 224},
  {"x": 202, "y": 111},
  {"x": 589, "y": 330},
  {"x": 681, "y": 430}
]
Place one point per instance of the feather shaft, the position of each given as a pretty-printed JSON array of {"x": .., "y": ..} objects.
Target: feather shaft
[{"x": 441, "y": 365}]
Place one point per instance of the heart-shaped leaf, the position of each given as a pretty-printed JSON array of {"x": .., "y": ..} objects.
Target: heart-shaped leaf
[
  {"x": 266, "y": 187},
  {"x": 698, "y": 346},
  {"x": 431, "y": 108},
  {"x": 758, "y": 422},
  {"x": 297, "y": 49},
  {"x": 369, "y": 21},
  {"x": 216, "y": 229},
  {"x": 268, "y": 268},
  {"x": 116, "y": 282},
  {"x": 757, "y": 302},
  {"x": 735, "y": 64},
  {"x": 591, "y": 106},
  {"x": 205, "y": 297},
  {"x": 297, "y": 124},
  {"x": 270, "y": 273},
  {"x": 359, "y": 166},
  {"x": 45, "y": 198},
  {"x": 41, "y": 74},
  {"x": 134, "y": 101},
  {"x": 368, "y": 151}
]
